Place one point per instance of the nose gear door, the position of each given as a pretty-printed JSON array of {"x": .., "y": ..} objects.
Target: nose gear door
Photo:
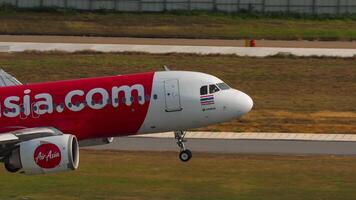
[{"x": 172, "y": 96}]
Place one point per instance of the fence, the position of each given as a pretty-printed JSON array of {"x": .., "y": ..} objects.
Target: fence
[{"x": 295, "y": 6}]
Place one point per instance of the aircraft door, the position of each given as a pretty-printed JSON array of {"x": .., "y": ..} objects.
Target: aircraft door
[{"x": 172, "y": 96}]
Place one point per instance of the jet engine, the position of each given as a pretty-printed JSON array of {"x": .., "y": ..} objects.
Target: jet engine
[{"x": 44, "y": 155}]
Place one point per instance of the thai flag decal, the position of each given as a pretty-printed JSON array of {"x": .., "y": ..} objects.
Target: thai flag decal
[{"x": 207, "y": 99}]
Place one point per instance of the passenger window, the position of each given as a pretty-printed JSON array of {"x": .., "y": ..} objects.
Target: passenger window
[
  {"x": 213, "y": 89},
  {"x": 204, "y": 90}
]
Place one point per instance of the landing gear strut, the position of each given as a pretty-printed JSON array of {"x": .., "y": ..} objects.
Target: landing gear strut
[{"x": 185, "y": 154}]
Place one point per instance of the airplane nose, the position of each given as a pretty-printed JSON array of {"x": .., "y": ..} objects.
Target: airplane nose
[{"x": 244, "y": 103}]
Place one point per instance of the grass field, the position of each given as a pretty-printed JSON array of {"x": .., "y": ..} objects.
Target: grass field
[
  {"x": 290, "y": 94},
  {"x": 179, "y": 25},
  {"x": 145, "y": 175}
]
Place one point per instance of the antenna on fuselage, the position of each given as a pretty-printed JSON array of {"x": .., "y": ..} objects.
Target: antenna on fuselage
[{"x": 166, "y": 68}]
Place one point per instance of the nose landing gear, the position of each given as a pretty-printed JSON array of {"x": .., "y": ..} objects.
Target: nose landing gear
[{"x": 185, "y": 154}]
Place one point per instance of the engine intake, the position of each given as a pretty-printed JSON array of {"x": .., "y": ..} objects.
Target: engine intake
[{"x": 45, "y": 155}]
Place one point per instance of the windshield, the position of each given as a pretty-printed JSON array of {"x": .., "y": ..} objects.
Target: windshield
[
  {"x": 223, "y": 86},
  {"x": 213, "y": 89}
]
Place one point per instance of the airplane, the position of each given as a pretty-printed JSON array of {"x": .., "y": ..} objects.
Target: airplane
[{"x": 43, "y": 125}]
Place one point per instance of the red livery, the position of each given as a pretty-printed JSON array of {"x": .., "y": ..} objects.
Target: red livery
[
  {"x": 42, "y": 125},
  {"x": 47, "y": 156}
]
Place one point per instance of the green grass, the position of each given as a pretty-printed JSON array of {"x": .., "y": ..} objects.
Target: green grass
[
  {"x": 177, "y": 25},
  {"x": 290, "y": 94},
  {"x": 147, "y": 175}
]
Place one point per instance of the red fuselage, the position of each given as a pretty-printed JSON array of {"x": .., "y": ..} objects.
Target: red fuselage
[{"x": 87, "y": 108}]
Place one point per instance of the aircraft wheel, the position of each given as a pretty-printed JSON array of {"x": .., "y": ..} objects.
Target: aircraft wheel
[{"x": 185, "y": 155}]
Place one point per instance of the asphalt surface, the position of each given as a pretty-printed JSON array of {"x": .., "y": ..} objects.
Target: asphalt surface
[
  {"x": 177, "y": 42},
  {"x": 164, "y": 49},
  {"x": 233, "y": 146}
]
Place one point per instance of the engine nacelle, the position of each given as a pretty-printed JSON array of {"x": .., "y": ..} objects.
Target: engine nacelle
[{"x": 45, "y": 155}]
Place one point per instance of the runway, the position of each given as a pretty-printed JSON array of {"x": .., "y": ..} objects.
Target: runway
[
  {"x": 237, "y": 146},
  {"x": 176, "y": 41},
  {"x": 203, "y": 47},
  {"x": 164, "y": 49}
]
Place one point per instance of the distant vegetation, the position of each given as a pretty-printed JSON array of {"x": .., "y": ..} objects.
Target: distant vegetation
[
  {"x": 46, "y": 21},
  {"x": 290, "y": 94}
]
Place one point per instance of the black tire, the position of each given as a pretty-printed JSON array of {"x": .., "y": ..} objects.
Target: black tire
[
  {"x": 9, "y": 167},
  {"x": 185, "y": 155}
]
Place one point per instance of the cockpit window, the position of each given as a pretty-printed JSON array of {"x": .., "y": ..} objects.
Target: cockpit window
[
  {"x": 213, "y": 89},
  {"x": 204, "y": 90},
  {"x": 223, "y": 86}
]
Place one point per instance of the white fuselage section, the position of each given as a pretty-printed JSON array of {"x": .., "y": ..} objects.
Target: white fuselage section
[{"x": 177, "y": 102}]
